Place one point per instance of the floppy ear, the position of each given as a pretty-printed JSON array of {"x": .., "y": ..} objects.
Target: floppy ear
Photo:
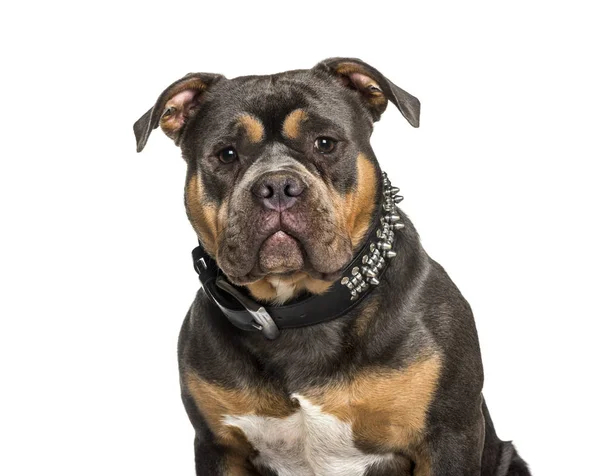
[
  {"x": 374, "y": 87},
  {"x": 174, "y": 107}
]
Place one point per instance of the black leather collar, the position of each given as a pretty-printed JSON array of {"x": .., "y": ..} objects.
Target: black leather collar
[{"x": 359, "y": 277}]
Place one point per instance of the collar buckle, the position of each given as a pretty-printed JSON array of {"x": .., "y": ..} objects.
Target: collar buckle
[{"x": 263, "y": 321}]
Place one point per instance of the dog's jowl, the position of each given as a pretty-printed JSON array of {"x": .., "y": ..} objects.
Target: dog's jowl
[{"x": 324, "y": 341}]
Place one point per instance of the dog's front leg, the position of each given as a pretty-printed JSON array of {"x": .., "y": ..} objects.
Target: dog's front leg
[
  {"x": 455, "y": 452},
  {"x": 209, "y": 458},
  {"x": 212, "y": 460}
]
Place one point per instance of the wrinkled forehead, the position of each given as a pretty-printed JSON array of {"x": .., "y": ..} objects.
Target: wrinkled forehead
[{"x": 271, "y": 99}]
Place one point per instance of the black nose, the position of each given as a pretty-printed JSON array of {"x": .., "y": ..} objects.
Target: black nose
[{"x": 277, "y": 190}]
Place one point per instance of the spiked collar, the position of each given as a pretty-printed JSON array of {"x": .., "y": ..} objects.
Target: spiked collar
[{"x": 358, "y": 279}]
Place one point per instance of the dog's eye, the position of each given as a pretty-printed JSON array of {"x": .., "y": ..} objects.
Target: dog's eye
[
  {"x": 325, "y": 145},
  {"x": 227, "y": 155}
]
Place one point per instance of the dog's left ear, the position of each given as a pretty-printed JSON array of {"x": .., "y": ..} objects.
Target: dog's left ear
[{"x": 374, "y": 87}]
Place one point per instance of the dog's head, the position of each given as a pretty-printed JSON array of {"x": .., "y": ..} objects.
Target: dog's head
[{"x": 282, "y": 182}]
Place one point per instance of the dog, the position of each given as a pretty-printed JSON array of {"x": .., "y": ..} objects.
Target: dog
[{"x": 323, "y": 341}]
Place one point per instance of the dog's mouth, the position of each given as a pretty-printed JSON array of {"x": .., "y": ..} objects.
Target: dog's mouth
[
  {"x": 284, "y": 253},
  {"x": 280, "y": 253}
]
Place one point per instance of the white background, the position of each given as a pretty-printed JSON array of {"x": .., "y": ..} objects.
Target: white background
[{"x": 500, "y": 180}]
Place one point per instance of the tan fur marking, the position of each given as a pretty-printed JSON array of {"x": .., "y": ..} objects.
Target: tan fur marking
[
  {"x": 349, "y": 68},
  {"x": 203, "y": 216},
  {"x": 236, "y": 462},
  {"x": 215, "y": 402},
  {"x": 266, "y": 290},
  {"x": 387, "y": 408},
  {"x": 194, "y": 83},
  {"x": 262, "y": 290},
  {"x": 254, "y": 128},
  {"x": 358, "y": 205},
  {"x": 362, "y": 322},
  {"x": 292, "y": 123},
  {"x": 375, "y": 97},
  {"x": 423, "y": 460},
  {"x": 171, "y": 124},
  {"x": 317, "y": 286}
]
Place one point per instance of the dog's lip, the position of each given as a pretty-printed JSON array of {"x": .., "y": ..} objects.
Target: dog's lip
[
  {"x": 280, "y": 252},
  {"x": 279, "y": 235},
  {"x": 253, "y": 277},
  {"x": 256, "y": 274}
]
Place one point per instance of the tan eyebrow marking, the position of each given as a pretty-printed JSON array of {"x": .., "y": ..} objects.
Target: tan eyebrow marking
[
  {"x": 291, "y": 124},
  {"x": 254, "y": 128}
]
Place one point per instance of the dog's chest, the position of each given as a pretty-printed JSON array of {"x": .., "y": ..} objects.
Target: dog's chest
[
  {"x": 308, "y": 442},
  {"x": 341, "y": 428}
]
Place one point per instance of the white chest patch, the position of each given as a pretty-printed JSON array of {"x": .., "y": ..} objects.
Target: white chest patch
[{"x": 307, "y": 443}]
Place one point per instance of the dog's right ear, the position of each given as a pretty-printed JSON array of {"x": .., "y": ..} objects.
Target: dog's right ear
[{"x": 174, "y": 107}]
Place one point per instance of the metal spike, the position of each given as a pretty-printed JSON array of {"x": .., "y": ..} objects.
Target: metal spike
[{"x": 374, "y": 261}]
